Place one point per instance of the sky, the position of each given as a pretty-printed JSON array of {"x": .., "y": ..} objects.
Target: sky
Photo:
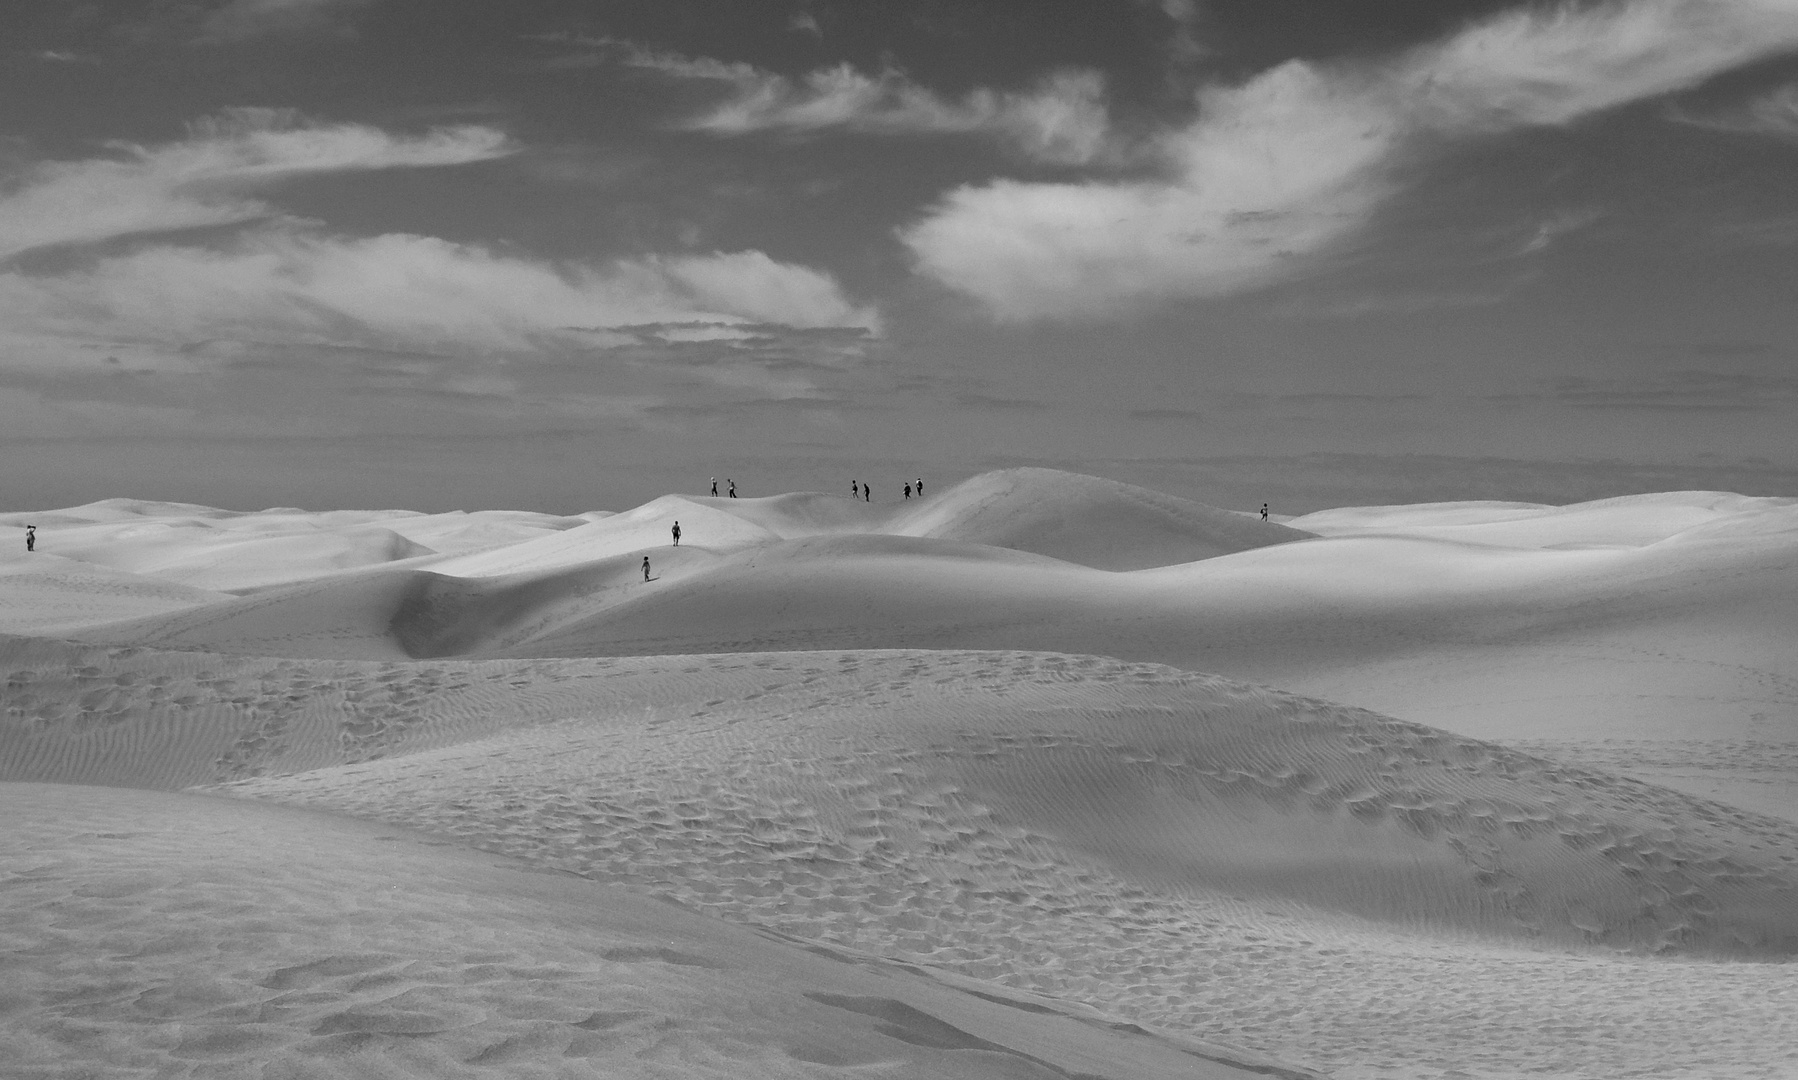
[{"x": 558, "y": 255}]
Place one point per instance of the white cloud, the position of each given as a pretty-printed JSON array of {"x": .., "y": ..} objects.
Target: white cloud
[
  {"x": 285, "y": 286},
  {"x": 208, "y": 178},
  {"x": 279, "y": 291},
  {"x": 1062, "y": 120},
  {"x": 1299, "y": 156}
]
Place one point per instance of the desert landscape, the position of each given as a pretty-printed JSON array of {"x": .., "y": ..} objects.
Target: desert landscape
[{"x": 1042, "y": 775}]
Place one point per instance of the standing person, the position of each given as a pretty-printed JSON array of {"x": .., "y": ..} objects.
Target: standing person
[
  {"x": 31, "y": 538},
  {"x": 645, "y": 568},
  {"x": 908, "y": 490},
  {"x": 1263, "y": 511},
  {"x": 714, "y": 487},
  {"x": 677, "y": 534},
  {"x": 733, "y": 486},
  {"x": 867, "y": 493},
  {"x": 920, "y": 486},
  {"x": 855, "y": 489}
]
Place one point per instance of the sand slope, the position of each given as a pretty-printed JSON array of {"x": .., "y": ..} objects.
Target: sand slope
[
  {"x": 1190, "y": 776},
  {"x": 1226, "y": 861},
  {"x": 309, "y": 945}
]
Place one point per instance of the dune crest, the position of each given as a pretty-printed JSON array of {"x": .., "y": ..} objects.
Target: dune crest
[{"x": 1104, "y": 524}]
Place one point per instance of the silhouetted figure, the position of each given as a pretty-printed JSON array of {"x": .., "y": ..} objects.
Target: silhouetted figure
[
  {"x": 645, "y": 568},
  {"x": 908, "y": 491},
  {"x": 31, "y": 538},
  {"x": 867, "y": 493},
  {"x": 855, "y": 489},
  {"x": 733, "y": 486},
  {"x": 1263, "y": 511},
  {"x": 714, "y": 487},
  {"x": 677, "y": 534},
  {"x": 920, "y": 487}
]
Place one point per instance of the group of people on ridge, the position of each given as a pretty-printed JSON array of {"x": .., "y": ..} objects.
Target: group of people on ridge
[{"x": 859, "y": 490}]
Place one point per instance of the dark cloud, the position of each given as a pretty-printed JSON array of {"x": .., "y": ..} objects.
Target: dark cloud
[
  {"x": 999, "y": 404},
  {"x": 1679, "y": 391}
]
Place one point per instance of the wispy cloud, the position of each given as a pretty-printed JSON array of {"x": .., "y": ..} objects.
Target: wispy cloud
[
  {"x": 1773, "y": 113},
  {"x": 129, "y": 281},
  {"x": 283, "y": 285},
  {"x": 1060, "y": 120},
  {"x": 209, "y": 178},
  {"x": 1675, "y": 391},
  {"x": 1288, "y": 163},
  {"x": 241, "y": 19}
]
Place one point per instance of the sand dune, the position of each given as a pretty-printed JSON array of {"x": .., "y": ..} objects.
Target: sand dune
[
  {"x": 965, "y": 733},
  {"x": 1063, "y": 825},
  {"x": 1643, "y": 634},
  {"x": 1195, "y": 778},
  {"x": 49, "y": 594},
  {"x": 314, "y": 945},
  {"x": 1083, "y": 519}
]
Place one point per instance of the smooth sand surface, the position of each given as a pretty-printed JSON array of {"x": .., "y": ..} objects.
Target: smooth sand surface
[{"x": 967, "y": 734}]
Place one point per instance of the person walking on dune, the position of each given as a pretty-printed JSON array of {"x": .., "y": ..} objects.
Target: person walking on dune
[
  {"x": 714, "y": 487},
  {"x": 908, "y": 491},
  {"x": 1263, "y": 511},
  {"x": 733, "y": 486},
  {"x": 855, "y": 490},
  {"x": 920, "y": 486},
  {"x": 31, "y": 538},
  {"x": 645, "y": 568},
  {"x": 867, "y": 493},
  {"x": 677, "y": 534}
]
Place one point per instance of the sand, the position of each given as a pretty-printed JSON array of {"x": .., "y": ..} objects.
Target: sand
[{"x": 991, "y": 783}]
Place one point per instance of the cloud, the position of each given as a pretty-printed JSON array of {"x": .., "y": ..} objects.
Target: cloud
[
  {"x": 208, "y": 178},
  {"x": 292, "y": 286},
  {"x": 264, "y": 299},
  {"x": 1677, "y": 391},
  {"x": 1773, "y": 113},
  {"x": 1285, "y": 165},
  {"x": 1061, "y": 120},
  {"x": 238, "y": 20}
]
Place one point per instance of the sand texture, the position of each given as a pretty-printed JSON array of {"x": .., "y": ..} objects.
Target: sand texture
[{"x": 938, "y": 788}]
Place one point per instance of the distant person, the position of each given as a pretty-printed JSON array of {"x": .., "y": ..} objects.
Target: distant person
[
  {"x": 920, "y": 487},
  {"x": 31, "y": 538},
  {"x": 855, "y": 489},
  {"x": 908, "y": 491},
  {"x": 645, "y": 568},
  {"x": 867, "y": 493},
  {"x": 733, "y": 486},
  {"x": 714, "y": 487},
  {"x": 677, "y": 534},
  {"x": 1263, "y": 511}
]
